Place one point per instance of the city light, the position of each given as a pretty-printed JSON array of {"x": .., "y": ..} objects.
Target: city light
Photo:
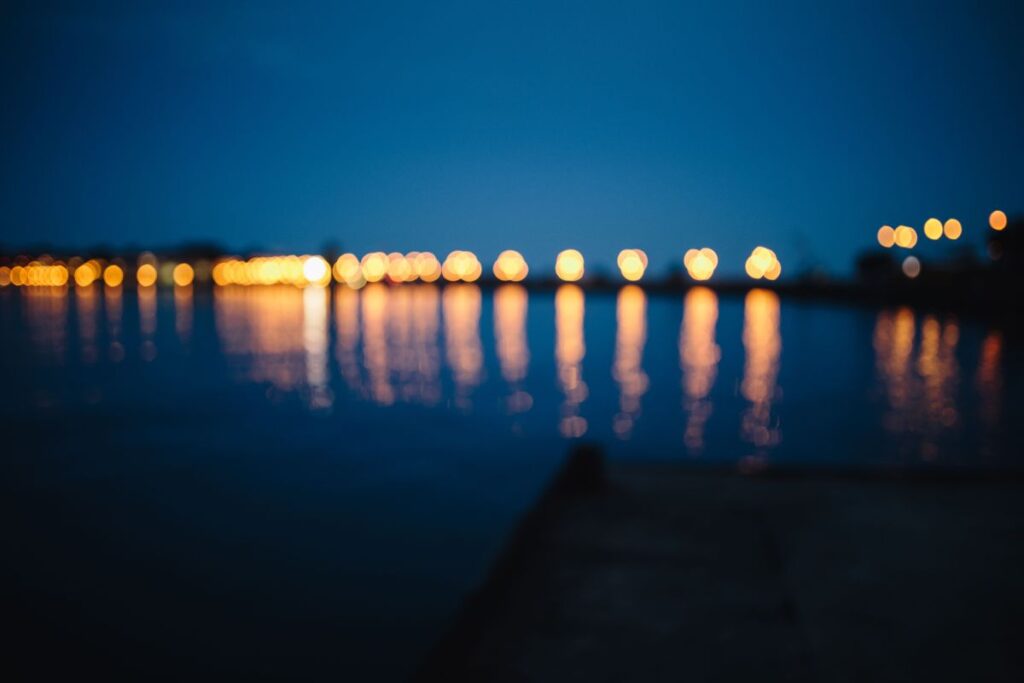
[
  {"x": 997, "y": 220},
  {"x": 510, "y": 266},
  {"x": 700, "y": 264},
  {"x": 348, "y": 271},
  {"x": 911, "y": 267},
  {"x": 933, "y": 228},
  {"x": 316, "y": 271},
  {"x": 906, "y": 237},
  {"x": 461, "y": 266},
  {"x": 428, "y": 268},
  {"x": 88, "y": 273},
  {"x": 183, "y": 275},
  {"x": 952, "y": 229},
  {"x": 375, "y": 266},
  {"x": 35, "y": 274},
  {"x": 569, "y": 265},
  {"x": 763, "y": 263},
  {"x": 399, "y": 268},
  {"x": 886, "y": 236},
  {"x": 113, "y": 276},
  {"x": 146, "y": 275},
  {"x": 632, "y": 264}
]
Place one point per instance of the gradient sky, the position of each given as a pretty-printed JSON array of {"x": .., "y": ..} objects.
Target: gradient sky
[{"x": 484, "y": 126}]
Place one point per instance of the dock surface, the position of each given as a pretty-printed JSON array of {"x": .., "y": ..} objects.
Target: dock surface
[{"x": 655, "y": 572}]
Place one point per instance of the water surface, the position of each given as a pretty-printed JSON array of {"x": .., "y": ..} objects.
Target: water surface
[{"x": 294, "y": 480}]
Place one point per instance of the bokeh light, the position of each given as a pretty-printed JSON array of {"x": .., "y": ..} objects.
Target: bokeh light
[
  {"x": 997, "y": 220},
  {"x": 933, "y": 228},
  {"x": 88, "y": 273},
  {"x": 183, "y": 275},
  {"x": 569, "y": 265},
  {"x": 461, "y": 266},
  {"x": 348, "y": 271},
  {"x": 316, "y": 271},
  {"x": 428, "y": 267},
  {"x": 375, "y": 266},
  {"x": 510, "y": 266},
  {"x": 906, "y": 237},
  {"x": 886, "y": 236},
  {"x": 700, "y": 264},
  {"x": 911, "y": 267},
  {"x": 113, "y": 276},
  {"x": 146, "y": 275},
  {"x": 632, "y": 264},
  {"x": 952, "y": 229},
  {"x": 763, "y": 263}
]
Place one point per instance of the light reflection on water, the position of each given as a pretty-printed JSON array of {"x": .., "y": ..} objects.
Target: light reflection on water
[
  {"x": 698, "y": 359},
  {"x": 569, "y": 352},
  {"x": 630, "y": 337},
  {"x": 930, "y": 397},
  {"x": 762, "y": 343},
  {"x": 511, "y": 346}
]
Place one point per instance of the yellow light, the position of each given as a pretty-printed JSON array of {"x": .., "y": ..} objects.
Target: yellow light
[
  {"x": 906, "y": 237},
  {"x": 183, "y": 275},
  {"x": 61, "y": 275},
  {"x": 933, "y": 228},
  {"x": 428, "y": 268},
  {"x": 87, "y": 273},
  {"x": 347, "y": 269},
  {"x": 952, "y": 229},
  {"x": 375, "y": 266},
  {"x": 632, "y": 264},
  {"x": 886, "y": 236},
  {"x": 510, "y": 266},
  {"x": 569, "y": 265},
  {"x": 475, "y": 271},
  {"x": 997, "y": 220},
  {"x": 5, "y": 276},
  {"x": 316, "y": 271},
  {"x": 398, "y": 267},
  {"x": 911, "y": 267},
  {"x": 763, "y": 263},
  {"x": 700, "y": 264},
  {"x": 220, "y": 274},
  {"x": 113, "y": 276},
  {"x": 461, "y": 265},
  {"x": 146, "y": 275}
]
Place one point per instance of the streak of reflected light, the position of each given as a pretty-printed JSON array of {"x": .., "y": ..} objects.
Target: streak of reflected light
[
  {"x": 375, "y": 299},
  {"x": 570, "y": 350},
  {"x": 461, "y": 303},
  {"x": 989, "y": 379},
  {"x": 627, "y": 368},
  {"x": 183, "y": 311},
  {"x": 510, "y": 307},
  {"x": 315, "y": 335},
  {"x": 147, "y": 322},
  {"x": 346, "y": 321},
  {"x": 762, "y": 343},
  {"x": 114, "y": 304},
  {"x": 87, "y": 310},
  {"x": 698, "y": 358},
  {"x": 46, "y": 319}
]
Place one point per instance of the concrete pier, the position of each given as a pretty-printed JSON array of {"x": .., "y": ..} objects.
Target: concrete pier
[{"x": 656, "y": 572}]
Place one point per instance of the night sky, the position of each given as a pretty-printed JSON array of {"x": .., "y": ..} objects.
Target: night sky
[{"x": 484, "y": 126}]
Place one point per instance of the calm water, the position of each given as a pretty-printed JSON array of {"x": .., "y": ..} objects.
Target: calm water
[{"x": 304, "y": 480}]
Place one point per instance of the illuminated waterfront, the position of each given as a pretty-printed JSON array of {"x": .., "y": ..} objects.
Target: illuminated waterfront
[{"x": 708, "y": 377}]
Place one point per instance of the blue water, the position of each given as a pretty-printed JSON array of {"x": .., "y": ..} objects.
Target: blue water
[{"x": 288, "y": 481}]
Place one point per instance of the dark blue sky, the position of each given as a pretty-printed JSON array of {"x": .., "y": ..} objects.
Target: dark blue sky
[{"x": 510, "y": 125}]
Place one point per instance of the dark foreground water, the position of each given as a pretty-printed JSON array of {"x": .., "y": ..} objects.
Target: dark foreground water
[{"x": 305, "y": 481}]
